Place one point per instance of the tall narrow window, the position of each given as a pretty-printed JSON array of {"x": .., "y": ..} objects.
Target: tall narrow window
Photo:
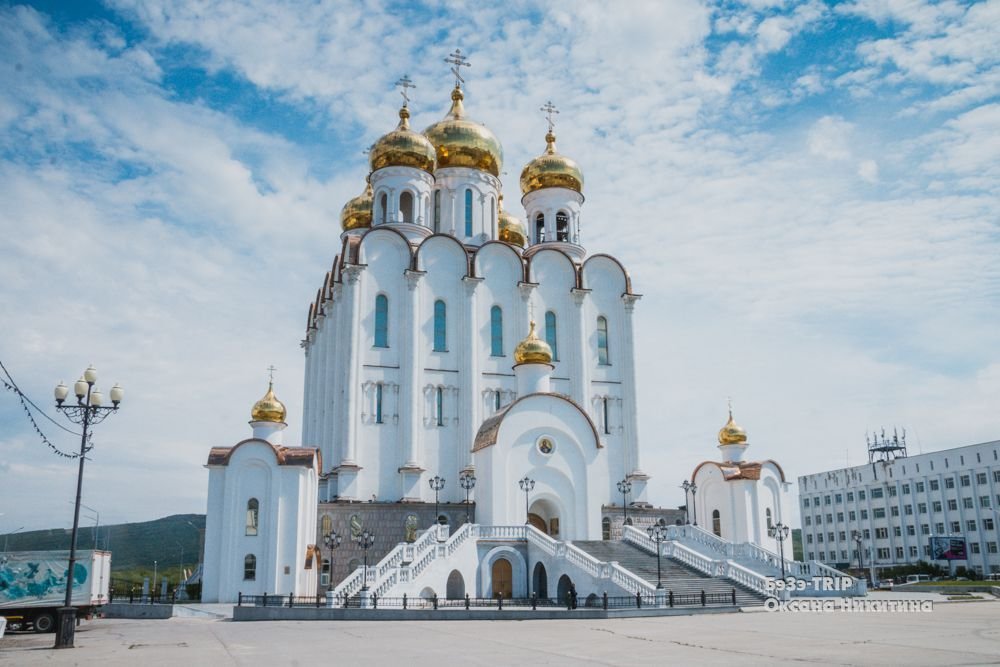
[
  {"x": 324, "y": 577},
  {"x": 253, "y": 516},
  {"x": 562, "y": 226},
  {"x": 550, "y": 334},
  {"x": 497, "y": 399},
  {"x": 437, "y": 211},
  {"x": 468, "y": 212},
  {"x": 602, "y": 341},
  {"x": 250, "y": 568},
  {"x": 540, "y": 228},
  {"x": 440, "y": 327},
  {"x": 381, "y": 321},
  {"x": 326, "y": 524},
  {"x": 767, "y": 513},
  {"x": 717, "y": 523},
  {"x": 383, "y": 206},
  {"x": 493, "y": 215},
  {"x": 439, "y": 406},
  {"x": 406, "y": 206},
  {"x": 496, "y": 331},
  {"x": 605, "y": 415},
  {"x": 378, "y": 403}
]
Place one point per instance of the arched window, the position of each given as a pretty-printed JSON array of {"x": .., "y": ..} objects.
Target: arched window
[
  {"x": 496, "y": 331},
  {"x": 439, "y": 406},
  {"x": 437, "y": 211},
  {"x": 381, "y": 321},
  {"x": 562, "y": 226},
  {"x": 468, "y": 212},
  {"x": 550, "y": 334},
  {"x": 605, "y": 416},
  {"x": 326, "y": 525},
  {"x": 253, "y": 515},
  {"x": 497, "y": 400},
  {"x": 383, "y": 206},
  {"x": 602, "y": 341},
  {"x": 440, "y": 327},
  {"x": 717, "y": 523},
  {"x": 767, "y": 514},
  {"x": 378, "y": 403},
  {"x": 250, "y": 568},
  {"x": 606, "y": 528},
  {"x": 540, "y": 228},
  {"x": 406, "y": 206}
]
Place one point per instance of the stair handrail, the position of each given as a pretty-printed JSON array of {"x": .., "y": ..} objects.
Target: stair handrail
[
  {"x": 748, "y": 550},
  {"x": 744, "y": 576}
]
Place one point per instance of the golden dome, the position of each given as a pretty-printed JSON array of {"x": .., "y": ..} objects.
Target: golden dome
[
  {"x": 732, "y": 433},
  {"x": 269, "y": 408},
  {"x": 402, "y": 148},
  {"x": 511, "y": 229},
  {"x": 532, "y": 350},
  {"x": 551, "y": 170},
  {"x": 357, "y": 213},
  {"x": 461, "y": 142}
]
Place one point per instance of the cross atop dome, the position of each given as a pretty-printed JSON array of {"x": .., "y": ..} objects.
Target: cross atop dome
[
  {"x": 457, "y": 60},
  {"x": 270, "y": 374},
  {"x": 403, "y": 84},
  {"x": 549, "y": 109}
]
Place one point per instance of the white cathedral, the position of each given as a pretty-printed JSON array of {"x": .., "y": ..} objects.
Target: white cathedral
[{"x": 470, "y": 405}]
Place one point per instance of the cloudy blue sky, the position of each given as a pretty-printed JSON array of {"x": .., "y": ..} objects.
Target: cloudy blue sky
[{"x": 806, "y": 193}]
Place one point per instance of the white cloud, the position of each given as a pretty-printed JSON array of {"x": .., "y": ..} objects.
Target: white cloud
[
  {"x": 830, "y": 138},
  {"x": 868, "y": 170}
]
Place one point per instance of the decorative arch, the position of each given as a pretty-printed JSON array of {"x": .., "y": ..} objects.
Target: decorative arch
[
  {"x": 419, "y": 266},
  {"x": 408, "y": 206},
  {"x": 519, "y": 570},
  {"x": 532, "y": 257},
  {"x": 517, "y": 257},
  {"x": 406, "y": 247},
  {"x": 540, "y": 581},
  {"x": 455, "y": 588},
  {"x": 598, "y": 259}
]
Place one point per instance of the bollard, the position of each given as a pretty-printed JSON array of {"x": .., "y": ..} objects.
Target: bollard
[
  {"x": 435, "y": 600},
  {"x": 265, "y": 599},
  {"x": 670, "y": 598},
  {"x": 466, "y": 600},
  {"x": 374, "y": 601},
  {"x": 534, "y": 600},
  {"x": 605, "y": 601},
  {"x": 291, "y": 599},
  {"x": 734, "y": 597},
  {"x": 404, "y": 600},
  {"x": 703, "y": 598},
  {"x": 500, "y": 602},
  {"x": 239, "y": 599},
  {"x": 318, "y": 598},
  {"x": 638, "y": 600}
]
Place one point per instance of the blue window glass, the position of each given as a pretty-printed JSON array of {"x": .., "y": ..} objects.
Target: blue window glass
[
  {"x": 378, "y": 403},
  {"x": 439, "y": 406},
  {"x": 437, "y": 210},
  {"x": 602, "y": 341},
  {"x": 440, "y": 327},
  {"x": 550, "y": 334},
  {"x": 381, "y": 321},
  {"x": 496, "y": 331},
  {"x": 468, "y": 212}
]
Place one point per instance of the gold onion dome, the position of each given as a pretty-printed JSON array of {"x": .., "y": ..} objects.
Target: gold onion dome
[
  {"x": 732, "y": 433},
  {"x": 512, "y": 230},
  {"x": 461, "y": 142},
  {"x": 357, "y": 213},
  {"x": 269, "y": 408},
  {"x": 402, "y": 148},
  {"x": 551, "y": 170},
  {"x": 532, "y": 350}
]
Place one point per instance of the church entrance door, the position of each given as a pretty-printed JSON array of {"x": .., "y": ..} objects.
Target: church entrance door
[
  {"x": 540, "y": 581},
  {"x": 538, "y": 522},
  {"x": 503, "y": 581}
]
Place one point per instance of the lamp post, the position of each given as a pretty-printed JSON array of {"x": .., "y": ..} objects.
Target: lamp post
[
  {"x": 437, "y": 483},
  {"x": 526, "y": 484},
  {"x": 779, "y": 531},
  {"x": 658, "y": 534},
  {"x": 467, "y": 482},
  {"x": 87, "y": 412},
  {"x": 332, "y": 540},
  {"x": 856, "y": 536},
  {"x": 365, "y": 541},
  {"x": 694, "y": 503},
  {"x": 624, "y": 488},
  {"x": 686, "y": 485}
]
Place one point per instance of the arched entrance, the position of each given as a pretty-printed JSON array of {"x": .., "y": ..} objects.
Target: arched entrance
[
  {"x": 456, "y": 586},
  {"x": 544, "y": 515},
  {"x": 563, "y": 588},
  {"x": 538, "y": 522},
  {"x": 502, "y": 578},
  {"x": 540, "y": 581}
]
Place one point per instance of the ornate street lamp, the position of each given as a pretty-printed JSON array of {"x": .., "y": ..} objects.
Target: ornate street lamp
[
  {"x": 467, "y": 482},
  {"x": 779, "y": 531},
  {"x": 87, "y": 412},
  {"x": 332, "y": 540},
  {"x": 365, "y": 541},
  {"x": 658, "y": 533},
  {"x": 693, "y": 488},
  {"x": 624, "y": 488},
  {"x": 437, "y": 483},
  {"x": 526, "y": 484},
  {"x": 856, "y": 536},
  {"x": 686, "y": 485}
]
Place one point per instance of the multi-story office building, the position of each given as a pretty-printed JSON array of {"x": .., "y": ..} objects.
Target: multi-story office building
[{"x": 896, "y": 503}]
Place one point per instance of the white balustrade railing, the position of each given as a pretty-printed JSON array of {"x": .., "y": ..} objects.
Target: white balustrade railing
[{"x": 502, "y": 533}]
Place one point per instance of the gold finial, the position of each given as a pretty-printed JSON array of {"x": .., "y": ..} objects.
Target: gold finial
[
  {"x": 532, "y": 350},
  {"x": 269, "y": 408},
  {"x": 732, "y": 433},
  {"x": 457, "y": 60},
  {"x": 404, "y": 118},
  {"x": 404, "y": 83}
]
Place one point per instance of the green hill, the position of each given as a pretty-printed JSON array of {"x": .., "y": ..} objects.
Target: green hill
[{"x": 133, "y": 546}]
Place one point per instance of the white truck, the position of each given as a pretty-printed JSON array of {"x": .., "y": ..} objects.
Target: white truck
[{"x": 33, "y": 586}]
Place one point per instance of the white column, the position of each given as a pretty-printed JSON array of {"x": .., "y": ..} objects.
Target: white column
[
  {"x": 468, "y": 377},
  {"x": 322, "y": 335},
  {"x": 630, "y": 415},
  {"x": 334, "y": 322},
  {"x": 308, "y": 350},
  {"x": 410, "y": 377},
  {"x": 352, "y": 390},
  {"x": 580, "y": 378}
]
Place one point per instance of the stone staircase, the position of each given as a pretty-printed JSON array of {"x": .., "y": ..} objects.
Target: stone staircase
[{"x": 678, "y": 578}]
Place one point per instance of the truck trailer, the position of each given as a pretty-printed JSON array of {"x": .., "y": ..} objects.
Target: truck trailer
[{"x": 33, "y": 586}]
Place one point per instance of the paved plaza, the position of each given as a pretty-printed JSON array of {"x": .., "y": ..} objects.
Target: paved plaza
[{"x": 966, "y": 633}]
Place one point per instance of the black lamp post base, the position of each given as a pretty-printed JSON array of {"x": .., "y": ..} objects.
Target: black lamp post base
[{"x": 65, "y": 627}]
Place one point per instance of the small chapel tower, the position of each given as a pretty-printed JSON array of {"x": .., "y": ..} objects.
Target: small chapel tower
[{"x": 533, "y": 365}]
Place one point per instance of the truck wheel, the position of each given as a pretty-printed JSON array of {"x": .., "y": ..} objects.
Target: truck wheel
[{"x": 45, "y": 622}]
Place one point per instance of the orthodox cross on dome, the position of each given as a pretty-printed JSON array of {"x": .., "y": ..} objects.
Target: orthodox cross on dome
[
  {"x": 403, "y": 84},
  {"x": 458, "y": 61},
  {"x": 270, "y": 374},
  {"x": 549, "y": 109}
]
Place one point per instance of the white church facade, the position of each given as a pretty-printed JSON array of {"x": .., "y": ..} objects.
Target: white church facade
[{"x": 470, "y": 402}]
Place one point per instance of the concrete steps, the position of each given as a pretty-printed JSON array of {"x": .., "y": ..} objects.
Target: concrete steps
[{"x": 676, "y": 577}]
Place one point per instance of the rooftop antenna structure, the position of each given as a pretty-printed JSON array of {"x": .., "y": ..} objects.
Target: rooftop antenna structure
[{"x": 884, "y": 449}]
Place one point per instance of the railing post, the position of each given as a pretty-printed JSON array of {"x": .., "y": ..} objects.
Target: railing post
[
  {"x": 131, "y": 596},
  {"x": 604, "y": 601},
  {"x": 670, "y": 598},
  {"x": 374, "y": 600},
  {"x": 404, "y": 600},
  {"x": 466, "y": 600},
  {"x": 534, "y": 600},
  {"x": 291, "y": 599},
  {"x": 265, "y": 599},
  {"x": 317, "y": 600},
  {"x": 703, "y": 598},
  {"x": 435, "y": 599},
  {"x": 500, "y": 602},
  {"x": 734, "y": 597},
  {"x": 638, "y": 599}
]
